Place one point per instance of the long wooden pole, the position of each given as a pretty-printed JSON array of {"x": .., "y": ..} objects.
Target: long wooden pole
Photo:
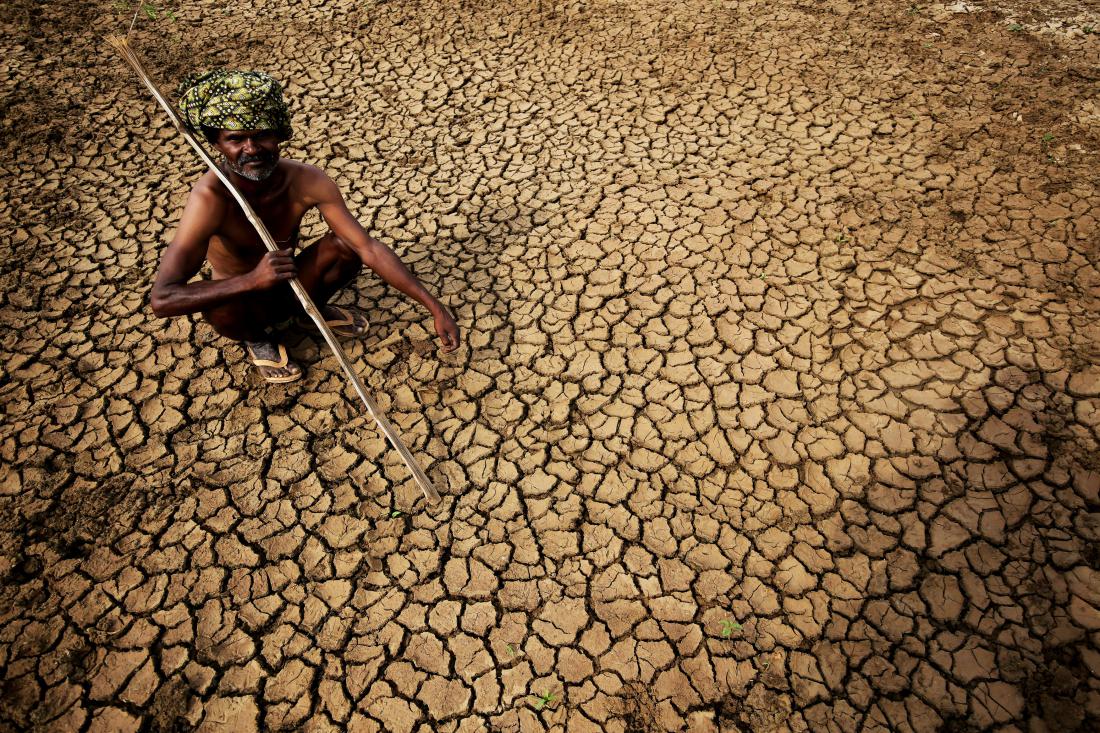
[{"x": 422, "y": 480}]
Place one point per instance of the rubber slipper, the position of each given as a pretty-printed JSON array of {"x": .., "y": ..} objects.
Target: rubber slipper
[
  {"x": 350, "y": 322},
  {"x": 264, "y": 366}
]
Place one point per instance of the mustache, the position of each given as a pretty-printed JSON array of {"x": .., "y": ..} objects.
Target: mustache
[{"x": 264, "y": 157}]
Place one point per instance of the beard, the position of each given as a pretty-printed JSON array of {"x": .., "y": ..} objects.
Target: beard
[{"x": 268, "y": 162}]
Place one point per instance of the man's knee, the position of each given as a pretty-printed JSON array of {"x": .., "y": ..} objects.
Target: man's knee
[
  {"x": 343, "y": 250},
  {"x": 225, "y": 323},
  {"x": 327, "y": 266},
  {"x": 235, "y": 321}
]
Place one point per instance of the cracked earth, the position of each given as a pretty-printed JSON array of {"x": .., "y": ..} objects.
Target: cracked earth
[{"x": 779, "y": 405}]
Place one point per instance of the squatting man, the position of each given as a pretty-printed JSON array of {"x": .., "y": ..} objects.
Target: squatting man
[{"x": 243, "y": 115}]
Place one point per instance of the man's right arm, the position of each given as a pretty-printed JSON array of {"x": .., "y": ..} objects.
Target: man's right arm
[{"x": 173, "y": 295}]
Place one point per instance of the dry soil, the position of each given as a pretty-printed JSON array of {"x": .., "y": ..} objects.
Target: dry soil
[{"x": 779, "y": 405}]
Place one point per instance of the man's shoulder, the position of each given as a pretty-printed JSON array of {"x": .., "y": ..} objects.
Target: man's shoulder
[
  {"x": 209, "y": 191},
  {"x": 304, "y": 171},
  {"x": 310, "y": 183}
]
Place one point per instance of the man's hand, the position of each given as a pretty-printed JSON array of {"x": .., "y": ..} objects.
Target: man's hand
[
  {"x": 447, "y": 330},
  {"x": 274, "y": 268}
]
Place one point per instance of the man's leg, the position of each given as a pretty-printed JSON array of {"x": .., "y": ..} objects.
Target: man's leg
[
  {"x": 326, "y": 266},
  {"x": 247, "y": 318},
  {"x": 241, "y": 319},
  {"x": 323, "y": 269}
]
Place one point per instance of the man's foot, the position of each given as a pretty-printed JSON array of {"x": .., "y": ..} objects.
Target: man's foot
[
  {"x": 272, "y": 362},
  {"x": 345, "y": 321}
]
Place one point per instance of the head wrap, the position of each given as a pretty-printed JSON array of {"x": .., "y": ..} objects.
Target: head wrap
[{"x": 223, "y": 99}]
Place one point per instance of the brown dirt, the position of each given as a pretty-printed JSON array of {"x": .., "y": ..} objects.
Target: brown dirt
[{"x": 779, "y": 410}]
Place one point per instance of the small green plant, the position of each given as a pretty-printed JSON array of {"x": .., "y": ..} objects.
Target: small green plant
[
  {"x": 544, "y": 700},
  {"x": 396, "y": 513},
  {"x": 914, "y": 9},
  {"x": 1015, "y": 27},
  {"x": 841, "y": 238},
  {"x": 1044, "y": 145},
  {"x": 765, "y": 664},
  {"x": 729, "y": 626},
  {"x": 511, "y": 649},
  {"x": 1088, "y": 29}
]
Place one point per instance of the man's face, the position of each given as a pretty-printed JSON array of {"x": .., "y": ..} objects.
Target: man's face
[{"x": 251, "y": 154}]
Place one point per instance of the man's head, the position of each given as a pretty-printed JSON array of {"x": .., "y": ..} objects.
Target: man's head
[
  {"x": 251, "y": 154},
  {"x": 242, "y": 114}
]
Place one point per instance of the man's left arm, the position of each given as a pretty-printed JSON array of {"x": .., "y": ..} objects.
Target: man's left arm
[{"x": 375, "y": 255}]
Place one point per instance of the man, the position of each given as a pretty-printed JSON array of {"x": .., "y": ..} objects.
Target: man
[{"x": 242, "y": 114}]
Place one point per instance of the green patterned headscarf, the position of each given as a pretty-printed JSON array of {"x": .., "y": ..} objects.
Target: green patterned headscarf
[{"x": 224, "y": 99}]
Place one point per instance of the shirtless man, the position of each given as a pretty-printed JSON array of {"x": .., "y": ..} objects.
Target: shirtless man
[{"x": 243, "y": 116}]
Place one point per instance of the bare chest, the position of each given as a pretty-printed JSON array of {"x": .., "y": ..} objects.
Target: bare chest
[{"x": 236, "y": 246}]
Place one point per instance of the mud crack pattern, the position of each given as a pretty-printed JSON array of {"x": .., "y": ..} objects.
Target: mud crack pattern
[{"x": 779, "y": 407}]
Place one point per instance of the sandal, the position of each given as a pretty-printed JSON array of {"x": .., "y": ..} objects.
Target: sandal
[
  {"x": 348, "y": 321},
  {"x": 269, "y": 368}
]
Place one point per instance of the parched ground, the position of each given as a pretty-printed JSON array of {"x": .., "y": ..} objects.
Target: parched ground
[{"x": 779, "y": 407}]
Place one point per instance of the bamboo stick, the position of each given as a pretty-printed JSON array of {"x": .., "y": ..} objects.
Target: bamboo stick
[{"x": 123, "y": 47}]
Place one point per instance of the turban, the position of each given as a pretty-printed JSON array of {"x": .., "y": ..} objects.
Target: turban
[{"x": 234, "y": 100}]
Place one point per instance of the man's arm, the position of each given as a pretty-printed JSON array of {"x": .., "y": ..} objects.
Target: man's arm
[
  {"x": 173, "y": 295},
  {"x": 376, "y": 255}
]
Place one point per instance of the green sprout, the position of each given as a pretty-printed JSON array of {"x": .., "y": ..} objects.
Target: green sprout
[
  {"x": 914, "y": 9},
  {"x": 841, "y": 238},
  {"x": 1088, "y": 29},
  {"x": 544, "y": 700},
  {"x": 765, "y": 664},
  {"x": 1015, "y": 27},
  {"x": 511, "y": 649},
  {"x": 729, "y": 626},
  {"x": 1044, "y": 145},
  {"x": 396, "y": 513}
]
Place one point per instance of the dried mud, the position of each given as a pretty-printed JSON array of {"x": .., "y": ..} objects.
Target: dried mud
[{"x": 779, "y": 407}]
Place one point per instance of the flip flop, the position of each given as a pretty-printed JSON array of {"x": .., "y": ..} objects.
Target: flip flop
[
  {"x": 263, "y": 366},
  {"x": 351, "y": 322}
]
